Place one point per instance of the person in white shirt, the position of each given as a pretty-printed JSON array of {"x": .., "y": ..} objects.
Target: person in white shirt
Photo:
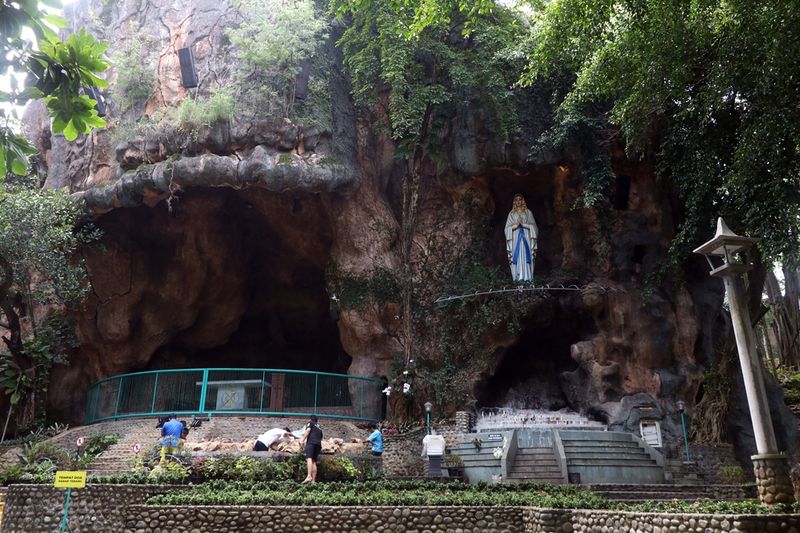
[
  {"x": 265, "y": 440},
  {"x": 433, "y": 446}
]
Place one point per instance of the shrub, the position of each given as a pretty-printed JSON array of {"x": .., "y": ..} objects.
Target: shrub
[
  {"x": 337, "y": 468},
  {"x": 731, "y": 474},
  {"x": 169, "y": 472}
]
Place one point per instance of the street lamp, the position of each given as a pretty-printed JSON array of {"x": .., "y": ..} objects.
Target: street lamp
[
  {"x": 428, "y": 406},
  {"x": 726, "y": 255},
  {"x": 682, "y": 409}
]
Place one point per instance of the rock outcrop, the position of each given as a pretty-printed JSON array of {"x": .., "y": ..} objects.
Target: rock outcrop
[{"x": 223, "y": 251}]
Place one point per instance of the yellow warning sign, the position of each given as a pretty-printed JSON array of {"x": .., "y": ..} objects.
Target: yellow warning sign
[{"x": 70, "y": 479}]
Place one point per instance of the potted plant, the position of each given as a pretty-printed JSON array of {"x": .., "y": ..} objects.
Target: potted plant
[{"x": 454, "y": 465}]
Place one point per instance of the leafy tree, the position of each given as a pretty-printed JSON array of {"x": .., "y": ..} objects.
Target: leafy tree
[
  {"x": 38, "y": 265},
  {"x": 708, "y": 88},
  {"x": 39, "y": 239},
  {"x": 56, "y": 71},
  {"x": 273, "y": 39}
]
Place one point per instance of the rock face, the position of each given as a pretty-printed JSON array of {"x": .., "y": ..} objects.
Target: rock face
[{"x": 227, "y": 252}]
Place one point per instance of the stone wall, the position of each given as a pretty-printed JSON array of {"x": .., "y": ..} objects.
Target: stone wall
[
  {"x": 205, "y": 519},
  {"x": 401, "y": 454},
  {"x": 39, "y": 508},
  {"x": 557, "y": 520},
  {"x": 710, "y": 458}
]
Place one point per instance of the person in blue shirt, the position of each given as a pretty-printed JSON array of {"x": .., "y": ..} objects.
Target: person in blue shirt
[
  {"x": 171, "y": 433},
  {"x": 376, "y": 438}
]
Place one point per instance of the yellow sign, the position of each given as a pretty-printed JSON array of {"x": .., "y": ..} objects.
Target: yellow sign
[{"x": 70, "y": 479}]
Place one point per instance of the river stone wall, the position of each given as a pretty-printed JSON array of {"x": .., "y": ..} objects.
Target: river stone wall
[
  {"x": 537, "y": 520},
  {"x": 206, "y": 519},
  {"x": 39, "y": 508}
]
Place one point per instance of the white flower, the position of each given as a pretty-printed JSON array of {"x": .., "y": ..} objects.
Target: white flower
[
  {"x": 498, "y": 453},
  {"x": 406, "y": 388},
  {"x": 387, "y": 391},
  {"x": 405, "y": 372}
]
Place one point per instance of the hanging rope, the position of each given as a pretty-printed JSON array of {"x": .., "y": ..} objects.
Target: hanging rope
[{"x": 519, "y": 289}]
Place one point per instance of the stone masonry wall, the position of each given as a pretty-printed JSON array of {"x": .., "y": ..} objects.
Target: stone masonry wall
[
  {"x": 39, "y": 508},
  {"x": 711, "y": 458},
  {"x": 401, "y": 454},
  {"x": 202, "y": 519},
  {"x": 585, "y": 521},
  {"x": 205, "y": 519}
]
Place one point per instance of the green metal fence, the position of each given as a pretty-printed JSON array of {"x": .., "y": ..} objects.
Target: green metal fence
[{"x": 235, "y": 391}]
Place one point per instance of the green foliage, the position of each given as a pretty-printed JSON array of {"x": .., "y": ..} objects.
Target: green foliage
[
  {"x": 38, "y": 265},
  {"x": 97, "y": 443},
  {"x": 708, "y": 88},
  {"x": 356, "y": 291},
  {"x": 39, "y": 238},
  {"x": 709, "y": 507},
  {"x": 435, "y": 68},
  {"x": 393, "y": 493},
  {"x": 731, "y": 474},
  {"x": 337, "y": 468},
  {"x": 452, "y": 461},
  {"x": 56, "y": 71},
  {"x": 169, "y": 472},
  {"x": 184, "y": 122},
  {"x": 789, "y": 378},
  {"x": 272, "y": 40},
  {"x": 135, "y": 68}
]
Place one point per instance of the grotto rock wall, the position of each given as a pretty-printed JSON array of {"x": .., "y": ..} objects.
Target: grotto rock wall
[{"x": 224, "y": 250}]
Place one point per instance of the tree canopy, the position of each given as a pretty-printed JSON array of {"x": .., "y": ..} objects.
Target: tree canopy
[
  {"x": 58, "y": 71},
  {"x": 706, "y": 88}
]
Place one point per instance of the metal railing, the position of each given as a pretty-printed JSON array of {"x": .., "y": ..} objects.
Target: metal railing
[{"x": 235, "y": 391}]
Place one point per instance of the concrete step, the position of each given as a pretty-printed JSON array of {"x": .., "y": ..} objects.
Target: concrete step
[
  {"x": 611, "y": 462},
  {"x": 541, "y": 464},
  {"x": 554, "y": 471},
  {"x": 622, "y": 456},
  {"x": 594, "y": 436},
  {"x": 611, "y": 445},
  {"x": 535, "y": 451}
]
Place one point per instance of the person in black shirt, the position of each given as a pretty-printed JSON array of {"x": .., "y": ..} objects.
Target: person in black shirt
[{"x": 312, "y": 441}]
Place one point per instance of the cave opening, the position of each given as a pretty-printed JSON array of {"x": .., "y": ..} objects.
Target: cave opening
[
  {"x": 251, "y": 280},
  {"x": 529, "y": 373}
]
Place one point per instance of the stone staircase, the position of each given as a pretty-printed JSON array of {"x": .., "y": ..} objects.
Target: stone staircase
[
  {"x": 477, "y": 461},
  {"x": 536, "y": 464},
  {"x": 596, "y": 456},
  {"x": 630, "y": 493},
  {"x": 115, "y": 460}
]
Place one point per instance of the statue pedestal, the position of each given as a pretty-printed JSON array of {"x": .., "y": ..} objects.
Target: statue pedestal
[{"x": 772, "y": 478}]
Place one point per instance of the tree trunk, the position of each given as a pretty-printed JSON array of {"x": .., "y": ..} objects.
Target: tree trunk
[{"x": 785, "y": 316}]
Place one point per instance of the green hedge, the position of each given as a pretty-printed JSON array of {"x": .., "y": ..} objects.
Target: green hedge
[{"x": 423, "y": 492}]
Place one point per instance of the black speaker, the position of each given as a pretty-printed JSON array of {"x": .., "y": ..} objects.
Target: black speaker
[
  {"x": 301, "y": 80},
  {"x": 188, "y": 71}
]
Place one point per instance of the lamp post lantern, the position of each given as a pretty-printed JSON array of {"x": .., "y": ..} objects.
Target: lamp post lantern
[
  {"x": 428, "y": 406},
  {"x": 726, "y": 255},
  {"x": 682, "y": 409}
]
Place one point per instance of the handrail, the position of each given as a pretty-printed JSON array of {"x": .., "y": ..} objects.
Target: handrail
[{"x": 258, "y": 391}]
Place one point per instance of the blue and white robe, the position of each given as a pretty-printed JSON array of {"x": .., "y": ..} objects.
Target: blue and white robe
[{"x": 521, "y": 244}]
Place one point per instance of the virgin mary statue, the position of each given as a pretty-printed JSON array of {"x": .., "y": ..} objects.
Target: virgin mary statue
[{"x": 521, "y": 236}]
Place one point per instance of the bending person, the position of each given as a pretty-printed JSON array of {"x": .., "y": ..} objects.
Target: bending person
[{"x": 273, "y": 436}]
